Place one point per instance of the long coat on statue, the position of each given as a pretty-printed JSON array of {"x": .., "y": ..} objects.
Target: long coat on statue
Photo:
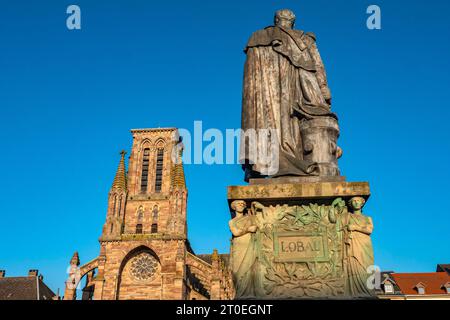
[{"x": 283, "y": 74}]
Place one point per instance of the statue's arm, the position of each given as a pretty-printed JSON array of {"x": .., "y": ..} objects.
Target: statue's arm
[
  {"x": 237, "y": 232},
  {"x": 320, "y": 69},
  {"x": 332, "y": 215},
  {"x": 336, "y": 208},
  {"x": 366, "y": 229}
]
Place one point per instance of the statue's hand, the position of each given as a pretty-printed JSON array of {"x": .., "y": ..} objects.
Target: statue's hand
[
  {"x": 338, "y": 202},
  {"x": 256, "y": 207},
  {"x": 276, "y": 43},
  {"x": 252, "y": 229}
]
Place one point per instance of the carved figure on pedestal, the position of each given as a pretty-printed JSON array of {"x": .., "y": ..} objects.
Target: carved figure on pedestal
[
  {"x": 244, "y": 262},
  {"x": 359, "y": 251}
]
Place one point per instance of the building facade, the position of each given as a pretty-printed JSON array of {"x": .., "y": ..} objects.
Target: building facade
[
  {"x": 144, "y": 248},
  {"x": 30, "y": 287},
  {"x": 416, "y": 286}
]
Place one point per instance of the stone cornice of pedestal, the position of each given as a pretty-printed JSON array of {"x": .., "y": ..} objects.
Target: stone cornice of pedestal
[{"x": 299, "y": 191}]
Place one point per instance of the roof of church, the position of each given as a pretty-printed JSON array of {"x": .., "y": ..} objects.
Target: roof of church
[
  {"x": 24, "y": 288},
  {"x": 120, "y": 180},
  {"x": 196, "y": 284},
  {"x": 208, "y": 258}
]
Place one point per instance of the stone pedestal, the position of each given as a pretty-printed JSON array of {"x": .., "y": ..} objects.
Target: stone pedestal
[{"x": 291, "y": 239}]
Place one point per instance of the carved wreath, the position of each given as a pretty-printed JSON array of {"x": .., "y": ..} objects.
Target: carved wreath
[{"x": 298, "y": 279}]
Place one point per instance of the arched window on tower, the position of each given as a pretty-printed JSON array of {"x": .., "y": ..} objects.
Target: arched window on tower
[
  {"x": 179, "y": 204},
  {"x": 139, "y": 228},
  {"x": 140, "y": 215},
  {"x": 114, "y": 205},
  {"x": 120, "y": 206},
  {"x": 155, "y": 214},
  {"x": 175, "y": 203},
  {"x": 159, "y": 169},
  {"x": 144, "y": 175}
]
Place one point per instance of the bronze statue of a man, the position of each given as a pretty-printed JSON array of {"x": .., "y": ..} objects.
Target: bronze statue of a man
[{"x": 284, "y": 82}]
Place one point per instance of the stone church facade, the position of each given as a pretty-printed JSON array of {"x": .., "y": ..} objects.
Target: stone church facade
[{"x": 144, "y": 249}]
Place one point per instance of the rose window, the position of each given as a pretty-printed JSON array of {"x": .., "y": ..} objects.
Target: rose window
[{"x": 144, "y": 266}]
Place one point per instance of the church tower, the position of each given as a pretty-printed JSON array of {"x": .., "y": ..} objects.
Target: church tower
[
  {"x": 144, "y": 241},
  {"x": 144, "y": 249},
  {"x": 116, "y": 201}
]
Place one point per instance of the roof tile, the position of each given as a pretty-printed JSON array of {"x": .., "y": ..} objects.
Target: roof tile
[{"x": 433, "y": 282}]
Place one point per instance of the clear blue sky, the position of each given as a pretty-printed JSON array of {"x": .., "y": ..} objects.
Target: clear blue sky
[{"x": 69, "y": 98}]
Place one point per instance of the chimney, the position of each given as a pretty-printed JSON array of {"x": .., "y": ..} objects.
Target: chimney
[
  {"x": 33, "y": 273},
  {"x": 2, "y": 273}
]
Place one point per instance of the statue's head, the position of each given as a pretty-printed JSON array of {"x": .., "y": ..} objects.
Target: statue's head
[
  {"x": 238, "y": 206},
  {"x": 285, "y": 18},
  {"x": 357, "y": 203}
]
